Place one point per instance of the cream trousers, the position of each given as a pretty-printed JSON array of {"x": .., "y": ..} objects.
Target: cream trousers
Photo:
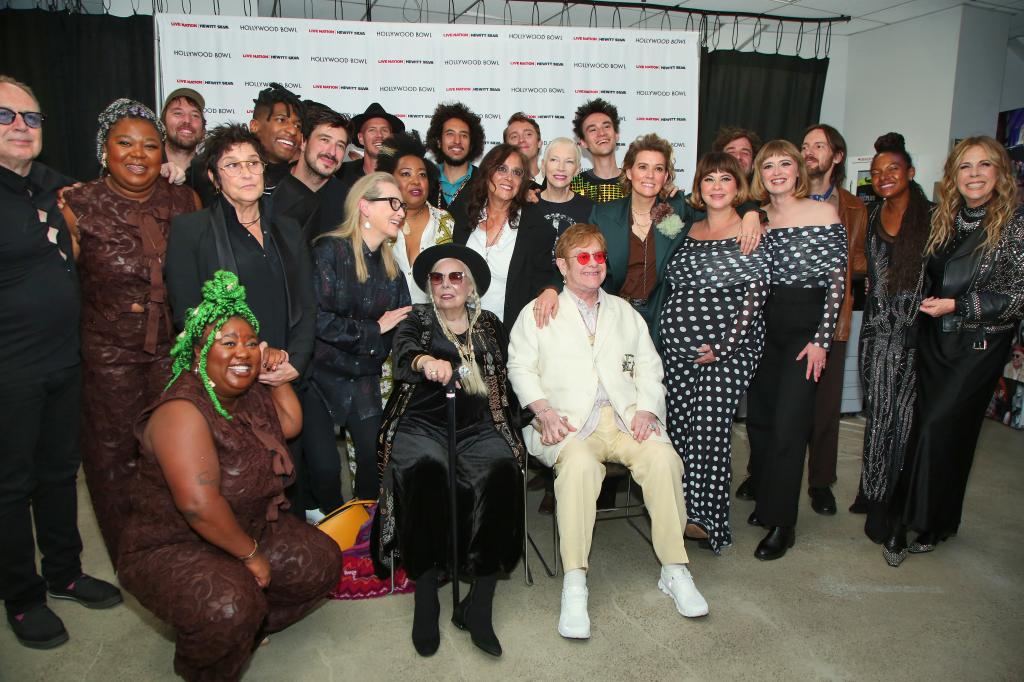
[{"x": 579, "y": 472}]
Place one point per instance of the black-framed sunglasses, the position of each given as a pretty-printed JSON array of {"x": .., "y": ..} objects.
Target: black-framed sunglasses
[
  {"x": 396, "y": 203},
  {"x": 33, "y": 119},
  {"x": 453, "y": 277}
]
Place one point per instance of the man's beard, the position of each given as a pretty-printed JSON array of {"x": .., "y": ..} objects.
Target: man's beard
[
  {"x": 311, "y": 164},
  {"x": 819, "y": 171},
  {"x": 174, "y": 141},
  {"x": 449, "y": 161}
]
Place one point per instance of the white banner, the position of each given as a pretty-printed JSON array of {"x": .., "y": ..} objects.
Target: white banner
[{"x": 651, "y": 76}]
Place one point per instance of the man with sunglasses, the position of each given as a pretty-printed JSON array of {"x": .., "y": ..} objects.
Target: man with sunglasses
[
  {"x": 593, "y": 381},
  {"x": 40, "y": 385}
]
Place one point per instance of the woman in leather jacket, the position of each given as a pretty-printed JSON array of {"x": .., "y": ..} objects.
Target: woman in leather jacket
[{"x": 973, "y": 298}]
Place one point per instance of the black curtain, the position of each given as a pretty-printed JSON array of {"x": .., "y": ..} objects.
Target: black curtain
[
  {"x": 775, "y": 95},
  {"x": 77, "y": 64}
]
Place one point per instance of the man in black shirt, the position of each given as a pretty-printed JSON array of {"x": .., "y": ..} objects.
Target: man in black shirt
[
  {"x": 40, "y": 385},
  {"x": 370, "y": 128},
  {"x": 277, "y": 122},
  {"x": 311, "y": 194}
]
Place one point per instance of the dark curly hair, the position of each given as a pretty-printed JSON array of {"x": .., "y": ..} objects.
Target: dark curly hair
[
  {"x": 275, "y": 93},
  {"x": 317, "y": 114},
  {"x": 907, "y": 251},
  {"x": 400, "y": 145},
  {"x": 594, "y": 106},
  {"x": 221, "y": 139},
  {"x": 444, "y": 113},
  {"x": 478, "y": 184},
  {"x": 727, "y": 134}
]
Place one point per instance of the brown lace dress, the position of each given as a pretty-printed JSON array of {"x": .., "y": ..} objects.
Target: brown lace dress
[
  {"x": 126, "y": 361},
  {"x": 208, "y": 596}
]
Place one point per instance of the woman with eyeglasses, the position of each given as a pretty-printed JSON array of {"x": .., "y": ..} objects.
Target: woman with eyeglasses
[
  {"x": 712, "y": 332},
  {"x": 452, "y": 336},
  {"x": 119, "y": 226},
  {"x": 518, "y": 255},
  {"x": 361, "y": 296}
]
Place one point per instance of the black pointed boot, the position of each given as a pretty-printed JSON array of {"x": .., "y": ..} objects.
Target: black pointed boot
[
  {"x": 426, "y": 636},
  {"x": 478, "y": 615}
]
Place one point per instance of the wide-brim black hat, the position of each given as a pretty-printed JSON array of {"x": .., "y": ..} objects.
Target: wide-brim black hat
[
  {"x": 375, "y": 110},
  {"x": 474, "y": 261}
]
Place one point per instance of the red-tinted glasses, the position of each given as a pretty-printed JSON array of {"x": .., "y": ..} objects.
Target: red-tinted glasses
[
  {"x": 583, "y": 257},
  {"x": 453, "y": 277}
]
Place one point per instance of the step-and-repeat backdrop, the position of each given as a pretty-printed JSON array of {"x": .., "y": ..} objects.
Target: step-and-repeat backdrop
[{"x": 651, "y": 76}]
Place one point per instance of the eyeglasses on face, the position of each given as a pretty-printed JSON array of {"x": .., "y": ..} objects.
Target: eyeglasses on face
[
  {"x": 583, "y": 257},
  {"x": 505, "y": 170},
  {"x": 234, "y": 168},
  {"x": 453, "y": 277},
  {"x": 33, "y": 119},
  {"x": 396, "y": 203}
]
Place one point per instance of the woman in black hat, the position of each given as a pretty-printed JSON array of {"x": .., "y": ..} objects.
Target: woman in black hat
[{"x": 451, "y": 336}]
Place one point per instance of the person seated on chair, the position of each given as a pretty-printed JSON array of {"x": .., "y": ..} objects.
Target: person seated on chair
[
  {"x": 593, "y": 380},
  {"x": 451, "y": 336}
]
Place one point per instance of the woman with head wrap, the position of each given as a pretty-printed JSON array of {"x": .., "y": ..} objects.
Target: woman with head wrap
[
  {"x": 451, "y": 337},
  {"x": 405, "y": 157},
  {"x": 205, "y": 547},
  {"x": 120, "y": 224}
]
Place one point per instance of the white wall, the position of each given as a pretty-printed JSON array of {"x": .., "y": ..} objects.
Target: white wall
[
  {"x": 902, "y": 79},
  {"x": 981, "y": 60}
]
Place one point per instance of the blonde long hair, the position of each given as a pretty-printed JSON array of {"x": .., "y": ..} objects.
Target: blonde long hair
[
  {"x": 367, "y": 187},
  {"x": 1000, "y": 207}
]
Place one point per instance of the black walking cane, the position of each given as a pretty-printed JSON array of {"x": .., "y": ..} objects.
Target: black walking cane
[{"x": 449, "y": 394}]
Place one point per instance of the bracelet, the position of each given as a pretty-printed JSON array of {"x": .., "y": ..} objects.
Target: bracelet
[
  {"x": 255, "y": 546},
  {"x": 537, "y": 415},
  {"x": 415, "y": 363}
]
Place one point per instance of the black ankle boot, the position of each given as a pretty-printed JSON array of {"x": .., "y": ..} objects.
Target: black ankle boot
[
  {"x": 876, "y": 525},
  {"x": 478, "y": 615},
  {"x": 426, "y": 636},
  {"x": 775, "y": 544},
  {"x": 895, "y": 548}
]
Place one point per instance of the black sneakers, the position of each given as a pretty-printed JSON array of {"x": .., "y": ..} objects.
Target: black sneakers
[
  {"x": 89, "y": 592},
  {"x": 38, "y": 628}
]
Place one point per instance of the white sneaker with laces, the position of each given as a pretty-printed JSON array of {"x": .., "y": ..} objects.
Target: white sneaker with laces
[
  {"x": 676, "y": 582},
  {"x": 574, "y": 621}
]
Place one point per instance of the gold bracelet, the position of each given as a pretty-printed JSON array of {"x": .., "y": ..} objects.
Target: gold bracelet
[{"x": 255, "y": 546}]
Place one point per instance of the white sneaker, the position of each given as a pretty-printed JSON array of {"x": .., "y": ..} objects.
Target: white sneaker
[
  {"x": 574, "y": 621},
  {"x": 314, "y": 516},
  {"x": 676, "y": 582}
]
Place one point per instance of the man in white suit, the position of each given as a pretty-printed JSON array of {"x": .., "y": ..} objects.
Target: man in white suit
[{"x": 592, "y": 379}]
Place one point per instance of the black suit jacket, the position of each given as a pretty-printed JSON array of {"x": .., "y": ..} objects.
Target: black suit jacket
[
  {"x": 198, "y": 246},
  {"x": 529, "y": 273}
]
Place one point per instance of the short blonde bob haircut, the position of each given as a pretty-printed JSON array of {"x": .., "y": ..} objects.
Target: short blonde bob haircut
[{"x": 779, "y": 148}]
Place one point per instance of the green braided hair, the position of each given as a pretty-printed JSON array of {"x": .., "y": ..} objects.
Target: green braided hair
[{"x": 223, "y": 298}]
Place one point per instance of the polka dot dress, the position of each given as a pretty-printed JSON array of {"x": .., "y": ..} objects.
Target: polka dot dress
[
  {"x": 812, "y": 257},
  {"x": 715, "y": 298}
]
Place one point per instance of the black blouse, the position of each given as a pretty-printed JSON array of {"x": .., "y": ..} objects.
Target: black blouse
[{"x": 812, "y": 257}]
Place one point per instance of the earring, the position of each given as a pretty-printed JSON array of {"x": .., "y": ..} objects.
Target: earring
[
  {"x": 366, "y": 225},
  {"x": 103, "y": 160}
]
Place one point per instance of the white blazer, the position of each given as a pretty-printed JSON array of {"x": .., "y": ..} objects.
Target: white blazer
[{"x": 558, "y": 363}]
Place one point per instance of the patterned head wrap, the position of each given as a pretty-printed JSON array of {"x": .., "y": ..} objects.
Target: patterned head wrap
[
  {"x": 123, "y": 108},
  {"x": 223, "y": 298}
]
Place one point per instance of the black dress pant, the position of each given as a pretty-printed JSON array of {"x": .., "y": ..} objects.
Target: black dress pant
[
  {"x": 39, "y": 459},
  {"x": 781, "y": 403},
  {"x": 823, "y": 449},
  {"x": 322, "y": 460}
]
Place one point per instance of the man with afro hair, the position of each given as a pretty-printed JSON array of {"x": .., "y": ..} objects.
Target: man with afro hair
[{"x": 456, "y": 139}]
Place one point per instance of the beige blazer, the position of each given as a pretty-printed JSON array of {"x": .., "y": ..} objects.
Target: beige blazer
[{"x": 558, "y": 363}]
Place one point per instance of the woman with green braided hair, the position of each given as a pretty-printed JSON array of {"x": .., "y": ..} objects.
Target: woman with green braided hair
[{"x": 205, "y": 547}]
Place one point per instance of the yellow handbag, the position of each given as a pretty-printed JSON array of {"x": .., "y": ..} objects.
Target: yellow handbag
[{"x": 343, "y": 523}]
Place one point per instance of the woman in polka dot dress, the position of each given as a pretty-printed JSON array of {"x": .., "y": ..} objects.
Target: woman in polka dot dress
[
  {"x": 807, "y": 247},
  {"x": 712, "y": 334}
]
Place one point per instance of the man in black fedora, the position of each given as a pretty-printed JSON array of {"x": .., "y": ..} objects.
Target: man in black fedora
[{"x": 371, "y": 128}]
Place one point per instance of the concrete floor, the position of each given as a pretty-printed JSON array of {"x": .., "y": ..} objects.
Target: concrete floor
[{"x": 830, "y": 609}]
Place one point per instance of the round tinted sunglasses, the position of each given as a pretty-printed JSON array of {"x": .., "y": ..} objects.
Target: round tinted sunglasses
[
  {"x": 33, "y": 119},
  {"x": 583, "y": 257},
  {"x": 453, "y": 277}
]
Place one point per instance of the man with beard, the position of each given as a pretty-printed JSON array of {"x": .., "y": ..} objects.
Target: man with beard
[
  {"x": 596, "y": 124},
  {"x": 456, "y": 139},
  {"x": 739, "y": 143},
  {"x": 824, "y": 152},
  {"x": 185, "y": 122},
  {"x": 277, "y": 122},
  {"x": 371, "y": 128},
  {"x": 523, "y": 132},
  {"x": 311, "y": 194}
]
